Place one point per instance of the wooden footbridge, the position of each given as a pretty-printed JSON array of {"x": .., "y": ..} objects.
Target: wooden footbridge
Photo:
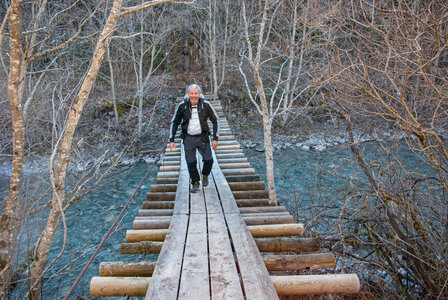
[{"x": 210, "y": 242}]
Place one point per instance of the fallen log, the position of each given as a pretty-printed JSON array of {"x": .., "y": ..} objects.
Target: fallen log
[
  {"x": 147, "y": 247},
  {"x": 121, "y": 268},
  {"x": 316, "y": 284},
  {"x": 287, "y": 244},
  {"x": 299, "y": 262},
  {"x": 284, "y": 285},
  {"x": 158, "y": 205}
]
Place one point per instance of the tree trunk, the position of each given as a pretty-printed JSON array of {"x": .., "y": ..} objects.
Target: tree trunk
[
  {"x": 112, "y": 86},
  {"x": 267, "y": 133},
  {"x": 10, "y": 221},
  {"x": 186, "y": 53},
  {"x": 65, "y": 150}
]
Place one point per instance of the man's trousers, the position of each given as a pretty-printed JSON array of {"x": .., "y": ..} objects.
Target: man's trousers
[{"x": 202, "y": 144}]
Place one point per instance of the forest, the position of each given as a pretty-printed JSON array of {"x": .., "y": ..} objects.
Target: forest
[{"x": 86, "y": 84}]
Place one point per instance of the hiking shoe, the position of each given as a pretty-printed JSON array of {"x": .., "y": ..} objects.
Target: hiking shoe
[
  {"x": 195, "y": 187},
  {"x": 204, "y": 181}
]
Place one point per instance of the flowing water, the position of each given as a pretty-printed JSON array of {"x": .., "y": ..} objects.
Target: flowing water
[{"x": 306, "y": 181}]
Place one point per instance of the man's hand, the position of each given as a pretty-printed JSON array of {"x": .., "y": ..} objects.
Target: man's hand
[
  {"x": 172, "y": 146},
  {"x": 214, "y": 144}
]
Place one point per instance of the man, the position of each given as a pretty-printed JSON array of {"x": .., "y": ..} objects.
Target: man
[{"x": 193, "y": 112}]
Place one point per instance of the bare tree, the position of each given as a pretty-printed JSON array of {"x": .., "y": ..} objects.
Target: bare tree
[
  {"x": 255, "y": 60},
  {"x": 63, "y": 150},
  {"x": 21, "y": 58},
  {"x": 389, "y": 70}
]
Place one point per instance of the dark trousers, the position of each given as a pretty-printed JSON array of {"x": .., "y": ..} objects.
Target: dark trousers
[{"x": 202, "y": 144}]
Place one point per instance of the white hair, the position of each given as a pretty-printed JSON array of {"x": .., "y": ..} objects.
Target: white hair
[{"x": 194, "y": 86}]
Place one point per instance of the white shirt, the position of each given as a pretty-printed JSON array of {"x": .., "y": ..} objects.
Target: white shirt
[{"x": 194, "y": 126}]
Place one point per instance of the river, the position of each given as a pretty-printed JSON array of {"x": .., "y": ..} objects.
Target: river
[{"x": 308, "y": 183}]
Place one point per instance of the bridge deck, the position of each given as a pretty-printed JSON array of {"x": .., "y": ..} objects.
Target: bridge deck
[{"x": 206, "y": 239}]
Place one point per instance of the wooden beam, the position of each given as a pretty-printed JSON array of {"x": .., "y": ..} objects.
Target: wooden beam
[
  {"x": 147, "y": 247},
  {"x": 166, "y": 180},
  {"x": 316, "y": 284},
  {"x": 165, "y": 196},
  {"x": 155, "y": 212},
  {"x": 151, "y": 224},
  {"x": 242, "y": 178},
  {"x": 157, "y": 188},
  {"x": 250, "y": 194},
  {"x": 124, "y": 268},
  {"x": 285, "y": 244},
  {"x": 294, "y": 285},
  {"x": 244, "y": 171},
  {"x": 253, "y": 202},
  {"x": 119, "y": 286},
  {"x": 276, "y": 230},
  {"x": 260, "y": 220},
  {"x": 271, "y": 230},
  {"x": 299, "y": 262},
  {"x": 262, "y": 209},
  {"x": 145, "y": 235},
  {"x": 158, "y": 205},
  {"x": 246, "y": 186}
]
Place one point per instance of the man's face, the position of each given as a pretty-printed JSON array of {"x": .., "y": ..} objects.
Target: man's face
[{"x": 194, "y": 96}]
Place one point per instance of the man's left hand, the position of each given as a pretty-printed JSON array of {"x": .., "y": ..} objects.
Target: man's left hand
[{"x": 214, "y": 144}]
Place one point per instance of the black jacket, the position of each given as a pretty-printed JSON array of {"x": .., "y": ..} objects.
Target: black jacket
[{"x": 183, "y": 114}]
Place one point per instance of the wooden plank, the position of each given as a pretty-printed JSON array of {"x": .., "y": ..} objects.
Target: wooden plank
[
  {"x": 181, "y": 204},
  {"x": 194, "y": 282},
  {"x": 225, "y": 282},
  {"x": 255, "y": 276},
  {"x": 197, "y": 202},
  {"x": 225, "y": 194},
  {"x": 166, "y": 277}
]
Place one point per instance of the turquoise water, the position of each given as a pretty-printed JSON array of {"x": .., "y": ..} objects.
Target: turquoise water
[
  {"x": 87, "y": 223},
  {"x": 309, "y": 183}
]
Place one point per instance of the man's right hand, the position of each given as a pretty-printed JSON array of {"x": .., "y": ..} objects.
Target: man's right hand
[{"x": 172, "y": 146}]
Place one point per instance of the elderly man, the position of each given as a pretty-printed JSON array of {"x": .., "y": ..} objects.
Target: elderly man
[{"x": 193, "y": 112}]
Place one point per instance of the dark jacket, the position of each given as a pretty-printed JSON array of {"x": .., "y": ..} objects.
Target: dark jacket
[{"x": 183, "y": 114}]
